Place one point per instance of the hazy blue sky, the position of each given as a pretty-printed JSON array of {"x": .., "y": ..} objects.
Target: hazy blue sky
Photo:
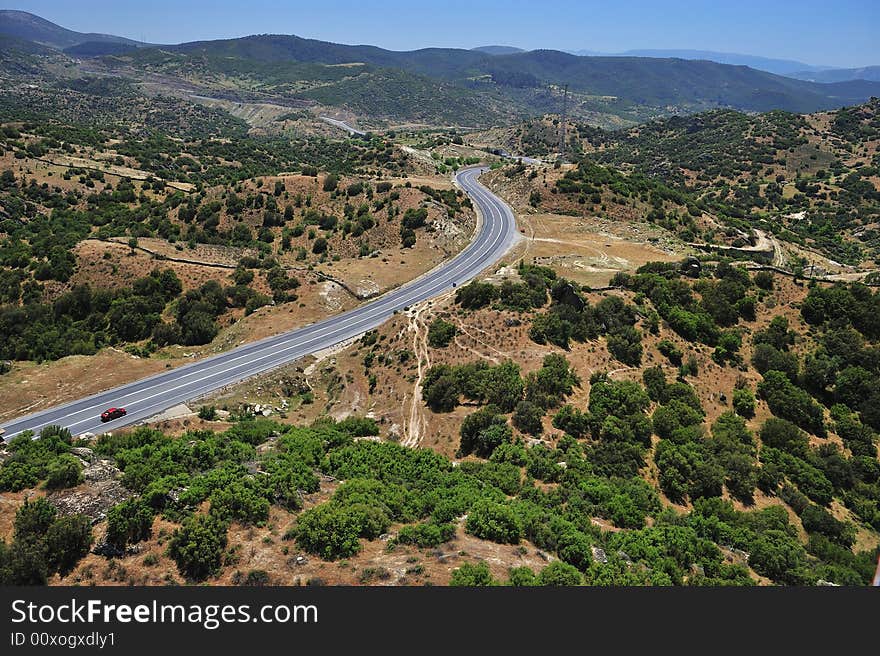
[{"x": 835, "y": 33}]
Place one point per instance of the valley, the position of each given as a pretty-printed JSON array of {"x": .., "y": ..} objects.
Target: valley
[{"x": 432, "y": 317}]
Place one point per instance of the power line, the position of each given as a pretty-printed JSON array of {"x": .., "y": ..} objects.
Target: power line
[{"x": 563, "y": 121}]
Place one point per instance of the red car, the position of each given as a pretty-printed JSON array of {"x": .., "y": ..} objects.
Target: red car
[{"x": 112, "y": 413}]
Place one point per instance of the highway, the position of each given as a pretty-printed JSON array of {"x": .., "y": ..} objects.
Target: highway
[
  {"x": 343, "y": 125},
  {"x": 496, "y": 233}
]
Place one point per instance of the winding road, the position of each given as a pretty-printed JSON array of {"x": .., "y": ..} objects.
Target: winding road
[{"x": 496, "y": 233}]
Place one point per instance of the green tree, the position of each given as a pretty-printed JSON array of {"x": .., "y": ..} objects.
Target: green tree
[
  {"x": 440, "y": 333},
  {"x": 494, "y": 521},
  {"x": 64, "y": 471},
  {"x": 68, "y": 540},
  {"x": 469, "y": 575},
  {"x": 558, "y": 573},
  {"x": 527, "y": 418},
  {"x": 129, "y": 522}
]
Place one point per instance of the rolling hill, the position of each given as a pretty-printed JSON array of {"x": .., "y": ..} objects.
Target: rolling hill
[
  {"x": 28, "y": 27},
  {"x": 840, "y": 74},
  {"x": 480, "y": 87}
]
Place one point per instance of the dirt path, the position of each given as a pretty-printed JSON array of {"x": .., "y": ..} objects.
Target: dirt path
[{"x": 415, "y": 424}]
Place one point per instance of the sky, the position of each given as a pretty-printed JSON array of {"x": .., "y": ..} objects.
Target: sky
[{"x": 844, "y": 33}]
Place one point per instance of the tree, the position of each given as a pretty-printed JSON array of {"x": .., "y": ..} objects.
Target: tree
[
  {"x": 441, "y": 392},
  {"x": 503, "y": 386},
  {"x": 483, "y": 431},
  {"x": 572, "y": 421},
  {"x": 655, "y": 382},
  {"x": 549, "y": 385},
  {"x": 469, "y": 575},
  {"x": 64, "y": 471},
  {"x": 494, "y": 521},
  {"x": 779, "y": 556},
  {"x": 527, "y": 417},
  {"x": 33, "y": 519},
  {"x": 744, "y": 402},
  {"x": 475, "y": 295},
  {"x": 559, "y": 573},
  {"x": 68, "y": 540},
  {"x": 625, "y": 344},
  {"x": 319, "y": 246},
  {"x": 522, "y": 577},
  {"x": 129, "y": 522},
  {"x": 440, "y": 333},
  {"x": 197, "y": 546},
  {"x": 791, "y": 402},
  {"x": 329, "y": 532},
  {"x": 197, "y": 328},
  {"x": 784, "y": 435},
  {"x": 331, "y": 182}
]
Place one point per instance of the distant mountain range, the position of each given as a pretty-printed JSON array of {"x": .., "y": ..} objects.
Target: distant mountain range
[
  {"x": 486, "y": 84},
  {"x": 840, "y": 74},
  {"x": 786, "y": 67},
  {"x": 498, "y": 50}
]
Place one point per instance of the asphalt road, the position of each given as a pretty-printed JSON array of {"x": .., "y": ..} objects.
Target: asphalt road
[
  {"x": 342, "y": 124},
  {"x": 150, "y": 396}
]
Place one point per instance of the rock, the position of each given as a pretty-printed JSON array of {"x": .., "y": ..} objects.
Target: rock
[
  {"x": 599, "y": 555},
  {"x": 107, "y": 550},
  {"x": 83, "y": 453},
  {"x": 101, "y": 470},
  {"x": 92, "y": 499},
  {"x": 301, "y": 560},
  {"x": 823, "y": 582},
  {"x": 624, "y": 556},
  {"x": 697, "y": 570}
]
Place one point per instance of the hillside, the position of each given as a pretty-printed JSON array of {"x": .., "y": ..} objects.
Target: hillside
[
  {"x": 440, "y": 86},
  {"x": 669, "y": 432},
  {"x": 811, "y": 180},
  {"x": 840, "y": 74},
  {"x": 28, "y": 27},
  {"x": 643, "y": 81}
]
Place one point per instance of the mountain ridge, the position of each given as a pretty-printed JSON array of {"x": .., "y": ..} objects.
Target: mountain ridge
[{"x": 30, "y": 27}]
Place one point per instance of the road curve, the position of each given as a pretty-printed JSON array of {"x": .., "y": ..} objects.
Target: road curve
[{"x": 145, "y": 398}]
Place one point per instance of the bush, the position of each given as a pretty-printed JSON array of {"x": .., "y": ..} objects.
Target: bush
[
  {"x": 791, "y": 402},
  {"x": 208, "y": 412},
  {"x": 319, "y": 246},
  {"x": 197, "y": 546},
  {"x": 440, "y": 333},
  {"x": 469, "y": 575},
  {"x": 426, "y": 534},
  {"x": 129, "y": 522},
  {"x": 744, "y": 402},
  {"x": 494, "y": 521},
  {"x": 64, "y": 471},
  {"x": 560, "y": 574},
  {"x": 670, "y": 350},
  {"x": 483, "y": 431},
  {"x": 527, "y": 418},
  {"x": 329, "y": 532},
  {"x": 764, "y": 280},
  {"x": 68, "y": 540}
]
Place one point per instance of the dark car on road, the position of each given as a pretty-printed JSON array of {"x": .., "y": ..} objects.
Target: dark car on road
[{"x": 112, "y": 413}]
